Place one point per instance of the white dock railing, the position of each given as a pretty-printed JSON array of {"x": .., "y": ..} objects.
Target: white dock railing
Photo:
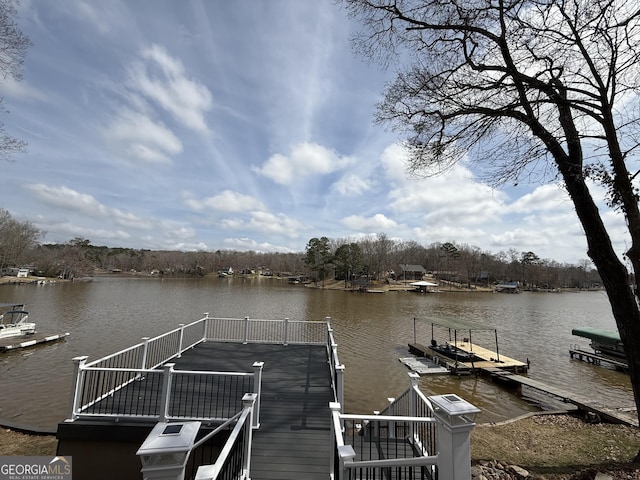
[
  {"x": 234, "y": 460},
  {"x": 415, "y": 437},
  {"x": 401, "y": 438},
  {"x": 252, "y": 330},
  {"x": 151, "y": 392}
]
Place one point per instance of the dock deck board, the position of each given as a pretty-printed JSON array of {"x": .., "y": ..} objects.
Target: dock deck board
[{"x": 293, "y": 439}]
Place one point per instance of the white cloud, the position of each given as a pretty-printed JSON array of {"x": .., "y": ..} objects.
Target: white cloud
[
  {"x": 520, "y": 236},
  {"x": 226, "y": 201},
  {"x": 250, "y": 244},
  {"x": 304, "y": 159},
  {"x": 451, "y": 197},
  {"x": 68, "y": 230},
  {"x": 447, "y": 233},
  {"x": 352, "y": 185},
  {"x": 543, "y": 198},
  {"x": 164, "y": 80},
  {"x": 374, "y": 224},
  {"x": 267, "y": 224},
  {"x": 394, "y": 162},
  {"x": 139, "y": 137},
  {"x": 87, "y": 205},
  {"x": 10, "y": 87}
]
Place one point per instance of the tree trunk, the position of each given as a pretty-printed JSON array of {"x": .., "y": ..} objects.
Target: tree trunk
[{"x": 614, "y": 275}]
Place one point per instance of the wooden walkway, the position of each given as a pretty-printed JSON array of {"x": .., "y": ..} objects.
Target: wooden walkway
[
  {"x": 293, "y": 439},
  {"x": 625, "y": 416}
]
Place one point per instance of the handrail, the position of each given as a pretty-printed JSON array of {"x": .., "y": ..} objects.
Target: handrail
[
  {"x": 381, "y": 434},
  {"x": 408, "y": 419},
  {"x": 336, "y": 368},
  {"x": 411, "y": 402},
  {"x": 211, "y": 472},
  {"x": 254, "y": 330},
  {"x": 105, "y": 384},
  {"x": 96, "y": 380},
  {"x": 120, "y": 369},
  {"x": 159, "y": 349}
]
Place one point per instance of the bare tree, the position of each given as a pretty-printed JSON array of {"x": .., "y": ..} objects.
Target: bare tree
[
  {"x": 526, "y": 86},
  {"x": 16, "y": 238},
  {"x": 13, "y": 49}
]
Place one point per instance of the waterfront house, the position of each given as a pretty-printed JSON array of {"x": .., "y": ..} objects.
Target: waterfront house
[{"x": 411, "y": 272}]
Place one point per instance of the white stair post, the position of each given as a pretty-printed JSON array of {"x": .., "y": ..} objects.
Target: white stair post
[{"x": 455, "y": 420}]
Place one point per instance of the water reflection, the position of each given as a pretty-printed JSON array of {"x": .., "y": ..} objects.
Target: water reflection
[{"x": 372, "y": 331}]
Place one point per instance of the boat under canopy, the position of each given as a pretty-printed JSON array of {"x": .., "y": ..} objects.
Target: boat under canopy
[
  {"x": 459, "y": 332},
  {"x": 603, "y": 341}
]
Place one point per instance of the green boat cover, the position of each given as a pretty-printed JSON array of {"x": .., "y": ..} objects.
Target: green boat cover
[{"x": 597, "y": 334}]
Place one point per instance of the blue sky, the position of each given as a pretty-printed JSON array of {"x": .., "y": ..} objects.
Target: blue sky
[{"x": 245, "y": 125}]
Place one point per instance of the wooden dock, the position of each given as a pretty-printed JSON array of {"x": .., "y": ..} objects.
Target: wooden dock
[
  {"x": 489, "y": 359},
  {"x": 626, "y": 415},
  {"x": 15, "y": 343}
]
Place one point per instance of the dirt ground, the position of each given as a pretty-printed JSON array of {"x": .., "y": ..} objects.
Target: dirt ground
[
  {"x": 552, "y": 447},
  {"x": 560, "y": 447}
]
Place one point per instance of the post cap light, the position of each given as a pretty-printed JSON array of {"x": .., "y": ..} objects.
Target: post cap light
[
  {"x": 165, "y": 451},
  {"x": 456, "y": 410}
]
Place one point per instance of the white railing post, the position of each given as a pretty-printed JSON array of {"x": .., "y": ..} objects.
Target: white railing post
[
  {"x": 340, "y": 385},
  {"x": 257, "y": 389},
  {"x": 455, "y": 419},
  {"x": 245, "y": 340},
  {"x": 391, "y": 412},
  {"x": 165, "y": 398},
  {"x": 286, "y": 331},
  {"x": 205, "y": 325},
  {"x": 414, "y": 379},
  {"x": 335, "y": 408},
  {"x": 78, "y": 385},
  {"x": 248, "y": 401},
  {"x": 376, "y": 426},
  {"x": 181, "y": 325},
  {"x": 346, "y": 454},
  {"x": 145, "y": 348}
]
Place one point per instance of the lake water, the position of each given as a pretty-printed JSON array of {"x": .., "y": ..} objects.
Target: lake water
[{"x": 372, "y": 331}]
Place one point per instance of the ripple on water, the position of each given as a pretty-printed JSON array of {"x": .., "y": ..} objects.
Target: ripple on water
[{"x": 372, "y": 332}]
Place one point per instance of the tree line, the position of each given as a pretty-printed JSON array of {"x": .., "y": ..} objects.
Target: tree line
[
  {"x": 373, "y": 257},
  {"x": 378, "y": 257}
]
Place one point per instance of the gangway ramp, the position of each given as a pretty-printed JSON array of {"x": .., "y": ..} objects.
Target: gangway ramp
[{"x": 625, "y": 415}]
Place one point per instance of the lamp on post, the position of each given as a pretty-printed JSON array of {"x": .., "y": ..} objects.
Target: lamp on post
[
  {"x": 455, "y": 419},
  {"x": 165, "y": 451}
]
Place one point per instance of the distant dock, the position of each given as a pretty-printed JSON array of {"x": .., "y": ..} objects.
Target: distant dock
[{"x": 16, "y": 343}]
